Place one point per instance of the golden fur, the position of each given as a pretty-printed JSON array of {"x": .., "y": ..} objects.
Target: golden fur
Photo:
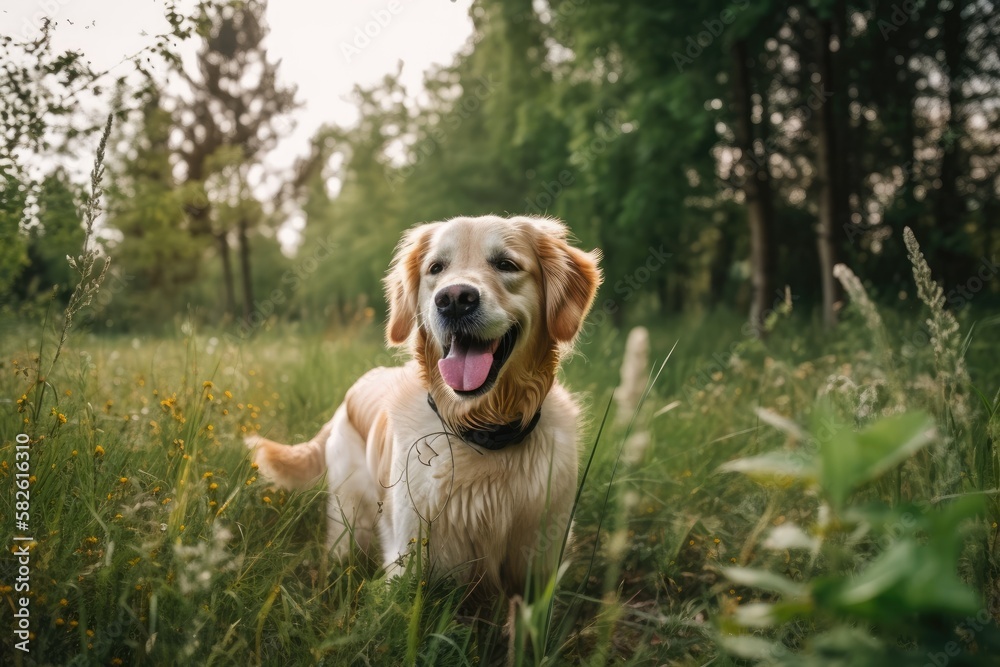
[{"x": 491, "y": 516}]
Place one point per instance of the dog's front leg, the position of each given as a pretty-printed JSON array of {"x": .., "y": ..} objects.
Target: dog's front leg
[{"x": 352, "y": 507}]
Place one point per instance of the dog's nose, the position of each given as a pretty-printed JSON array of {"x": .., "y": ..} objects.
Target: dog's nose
[{"x": 456, "y": 301}]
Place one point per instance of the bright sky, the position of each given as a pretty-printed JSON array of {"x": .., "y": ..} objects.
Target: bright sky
[{"x": 323, "y": 47}]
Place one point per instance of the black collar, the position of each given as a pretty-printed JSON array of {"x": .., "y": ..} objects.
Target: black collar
[{"x": 496, "y": 436}]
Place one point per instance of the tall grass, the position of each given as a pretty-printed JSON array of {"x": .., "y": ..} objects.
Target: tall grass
[{"x": 158, "y": 543}]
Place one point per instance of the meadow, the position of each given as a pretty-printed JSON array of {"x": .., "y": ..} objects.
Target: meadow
[{"x": 804, "y": 499}]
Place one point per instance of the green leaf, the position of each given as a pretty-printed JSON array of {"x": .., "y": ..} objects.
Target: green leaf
[
  {"x": 908, "y": 578},
  {"x": 774, "y": 468},
  {"x": 752, "y": 648},
  {"x": 765, "y": 580},
  {"x": 849, "y": 459}
]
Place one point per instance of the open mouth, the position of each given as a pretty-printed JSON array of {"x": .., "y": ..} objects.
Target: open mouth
[{"x": 470, "y": 366}]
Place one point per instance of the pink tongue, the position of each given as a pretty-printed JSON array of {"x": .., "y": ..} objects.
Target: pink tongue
[{"x": 465, "y": 369}]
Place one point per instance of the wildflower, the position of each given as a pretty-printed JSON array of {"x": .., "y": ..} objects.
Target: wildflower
[
  {"x": 69, "y": 392},
  {"x": 91, "y": 540},
  {"x": 267, "y": 500},
  {"x": 73, "y": 453},
  {"x": 123, "y": 480},
  {"x": 213, "y": 486},
  {"x": 98, "y": 451},
  {"x": 207, "y": 475},
  {"x": 74, "y": 623},
  {"x": 60, "y": 621},
  {"x": 207, "y": 384},
  {"x": 166, "y": 501},
  {"x": 209, "y": 397},
  {"x": 64, "y": 602},
  {"x": 227, "y": 394},
  {"x": 90, "y": 633}
]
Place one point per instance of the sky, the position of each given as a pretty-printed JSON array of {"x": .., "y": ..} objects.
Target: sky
[{"x": 325, "y": 49}]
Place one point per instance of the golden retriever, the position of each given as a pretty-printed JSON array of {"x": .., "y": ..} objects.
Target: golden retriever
[{"x": 469, "y": 450}]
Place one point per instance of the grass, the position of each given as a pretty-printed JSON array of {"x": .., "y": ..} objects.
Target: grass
[{"x": 157, "y": 543}]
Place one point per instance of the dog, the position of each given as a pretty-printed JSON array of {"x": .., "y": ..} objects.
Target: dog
[{"x": 470, "y": 449}]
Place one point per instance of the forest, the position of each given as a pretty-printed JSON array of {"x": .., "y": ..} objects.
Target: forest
[
  {"x": 757, "y": 144},
  {"x": 797, "y": 202}
]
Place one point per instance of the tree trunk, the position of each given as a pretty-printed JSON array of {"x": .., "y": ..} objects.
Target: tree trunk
[
  {"x": 757, "y": 190},
  {"x": 827, "y": 175},
  {"x": 229, "y": 294},
  {"x": 949, "y": 210},
  {"x": 245, "y": 273}
]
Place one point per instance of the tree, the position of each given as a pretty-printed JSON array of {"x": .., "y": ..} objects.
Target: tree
[
  {"x": 57, "y": 233},
  {"x": 234, "y": 100},
  {"x": 156, "y": 261}
]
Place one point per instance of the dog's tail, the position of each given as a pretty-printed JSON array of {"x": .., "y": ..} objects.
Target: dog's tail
[{"x": 291, "y": 466}]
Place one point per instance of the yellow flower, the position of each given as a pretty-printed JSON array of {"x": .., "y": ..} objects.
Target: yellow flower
[
  {"x": 207, "y": 474},
  {"x": 166, "y": 501},
  {"x": 266, "y": 500},
  {"x": 90, "y": 633},
  {"x": 73, "y": 453},
  {"x": 98, "y": 451},
  {"x": 227, "y": 394},
  {"x": 207, "y": 384},
  {"x": 254, "y": 465},
  {"x": 123, "y": 480},
  {"x": 64, "y": 602},
  {"x": 60, "y": 621},
  {"x": 209, "y": 428},
  {"x": 209, "y": 397},
  {"x": 213, "y": 486}
]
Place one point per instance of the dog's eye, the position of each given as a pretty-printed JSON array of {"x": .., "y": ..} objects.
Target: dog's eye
[
  {"x": 506, "y": 266},
  {"x": 435, "y": 268}
]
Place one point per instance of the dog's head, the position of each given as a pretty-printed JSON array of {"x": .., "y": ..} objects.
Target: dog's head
[{"x": 486, "y": 305}]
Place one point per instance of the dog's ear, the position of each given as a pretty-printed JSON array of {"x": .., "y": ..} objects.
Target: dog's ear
[
  {"x": 402, "y": 284},
  {"x": 570, "y": 277}
]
